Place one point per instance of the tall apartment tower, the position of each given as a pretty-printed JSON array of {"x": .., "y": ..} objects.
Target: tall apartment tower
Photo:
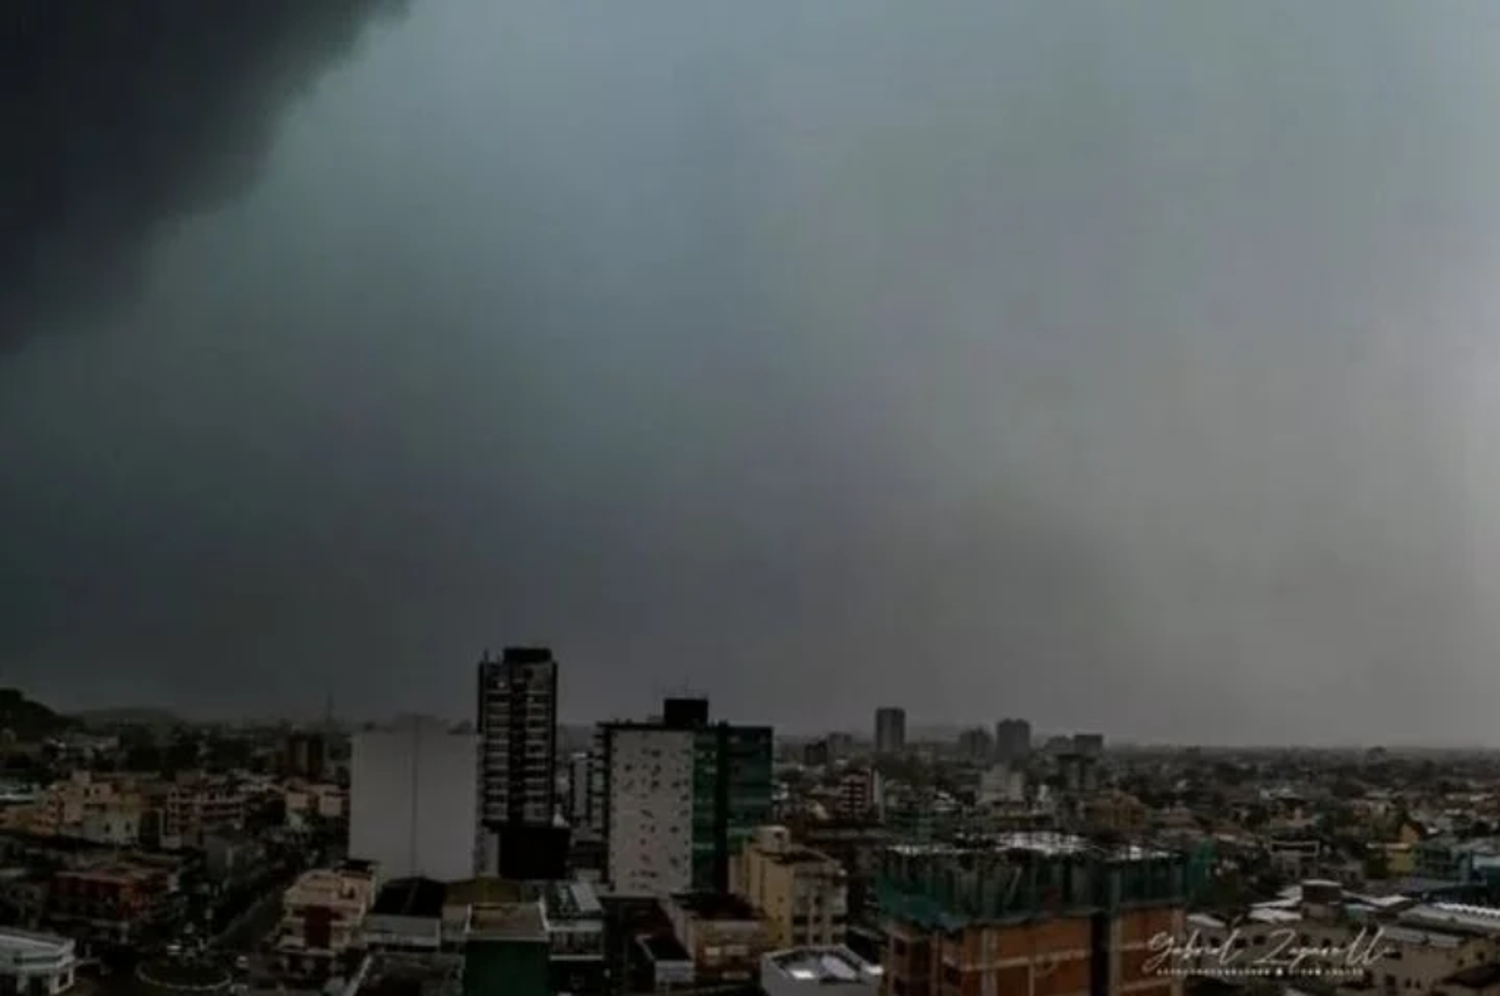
[
  {"x": 1012, "y": 740},
  {"x": 890, "y": 730},
  {"x": 518, "y": 731},
  {"x": 682, "y": 797}
]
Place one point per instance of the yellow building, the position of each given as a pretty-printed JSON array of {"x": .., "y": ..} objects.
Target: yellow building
[
  {"x": 1400, "y": 859},
  {"x": 801, "y": 893}
]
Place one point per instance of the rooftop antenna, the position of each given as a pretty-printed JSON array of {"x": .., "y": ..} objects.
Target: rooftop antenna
[{"x": 486, "y": 658}]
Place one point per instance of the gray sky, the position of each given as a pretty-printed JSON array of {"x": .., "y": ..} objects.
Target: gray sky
[{"x": 1125, "y": 366}]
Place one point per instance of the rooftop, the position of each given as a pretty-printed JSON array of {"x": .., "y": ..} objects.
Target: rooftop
[
  {"x": 484, "y": 891},
  {"x": 714, "y": 906},
  {"x": 664, "y": 947},
  {"x": 797, "y": 856},
  {"x": 1427, "y": 938},
  {"x": 1477, "y": 977},
  {"x": 572, "y": 901},
  {"x": 507, "y": 922},
  {"x": 417, "y": 897},
  {"x": 389, "y": 974},
  {"x": 1043, "y": 842},
  {"x": 1455, "y": 917},
  {"x": 23, "y": 942},
  {"x": 821, "y": 965}
]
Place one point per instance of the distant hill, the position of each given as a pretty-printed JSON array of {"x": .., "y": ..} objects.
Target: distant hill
[
  {"x": 128, "y": 716},
  {"x": 29, "y": 721}
]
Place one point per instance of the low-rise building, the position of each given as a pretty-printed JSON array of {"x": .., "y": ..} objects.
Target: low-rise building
[
  {"x": 321, "y": 915},
  {"x": 36, "y": 964},
  {"x": 800, "y": 892},
  {"x": 1293, "y": 855},
  {"x": 309, "y": 803},
  {"x": 508, "y": 950},
  {"x": 118, "y": 903},
  {"x": 117, "y": 824},
  {"x": 723, "y": 933},
  {"x": 574, "y": 918},
  {"x": 1119, "y": 812},
  {"x": 858, "y": 794},
  {"x": 407, "y": 915},
  {"x": 671, "y": 965},
  {"x": 818, "y": 971},
  {"x": 198, "y": 804}
]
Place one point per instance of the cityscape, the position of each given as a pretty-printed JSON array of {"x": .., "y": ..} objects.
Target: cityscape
[
  {"x": 680, "y": 853},
  {"x": 767, "y": 498}
]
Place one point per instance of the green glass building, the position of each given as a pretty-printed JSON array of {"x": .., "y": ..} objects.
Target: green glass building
[{"x": 731, "y": 797}]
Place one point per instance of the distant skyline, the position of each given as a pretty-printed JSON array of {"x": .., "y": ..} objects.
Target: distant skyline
[{"x": 1129, "y": 367}]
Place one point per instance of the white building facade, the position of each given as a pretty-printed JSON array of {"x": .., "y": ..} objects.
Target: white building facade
[
  {"x": 30, "y": 961},
  {"x": 649, "y": 816},
  {"x": 413, "y": 804}
]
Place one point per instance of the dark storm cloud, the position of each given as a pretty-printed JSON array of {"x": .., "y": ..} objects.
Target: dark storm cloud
[
  {"x": 121, "y": 118},
  {"x": 1124, "y": 366}
]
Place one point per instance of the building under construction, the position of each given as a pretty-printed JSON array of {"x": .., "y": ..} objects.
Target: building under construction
[{"x": 1034, "y": 914}]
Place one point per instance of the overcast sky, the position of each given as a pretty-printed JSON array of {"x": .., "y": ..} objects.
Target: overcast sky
[{"x": 1131, "y": 367}]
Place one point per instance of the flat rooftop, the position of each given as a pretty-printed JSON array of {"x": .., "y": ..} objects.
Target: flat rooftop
[
  {"x": 417, "y": 897},
  {"x": 22, "y": 942},
  {"x": 1477, "y": 921},
  {"x": 507, "y": 922},
  {"x": 1479, "y": 978},
  {"x": 714, "y": 906},
  {"x": 572, "y": 901},
  {"x": 798, "y": 856},
  {"x": 664, "y": 947},
  {"x": 485, "y": 891},
  {"x": 821, "y": 965}
]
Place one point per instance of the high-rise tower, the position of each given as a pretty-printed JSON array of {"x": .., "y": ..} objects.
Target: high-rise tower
[{"x": 518, "y": 729}]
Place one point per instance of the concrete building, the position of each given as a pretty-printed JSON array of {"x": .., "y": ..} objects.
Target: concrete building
[
  {"x": 197, "y": 804},
  {"x": 407, "y": 914},
  {"x": 36, "y": 964},
  {"x": 818, "y": 971},
  {"x": 976, "y": 745},
  {"x": 575, "y": 928},
  {"x": 649, "y": 816},
  {"x": 321, "y": 915},
  {"x": 714, "y": 776},
  {"x": 801, "y": 893},
  {"x": 518, "y": 724},
  {"x": 584, "y": 797},
  {"x": 1090, "y": 745},
  {"x": 1012, "y": 740},
  {"x": 307, "y": 804},
  {"x": 117, "y": 903},
  {"x": 722, "y": 933},
  {"x": 507, "y": 950},
  {"x": 1028, "y": 913},
  {"x": 306, "y": 755},
  {"x": 1002, "y": 785},
  {"x": 890, "y": 731},
  {"x": 413, "y": 805},
  {"x": 118, "y": 825},
  {"x": 858, "y": 795}
]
